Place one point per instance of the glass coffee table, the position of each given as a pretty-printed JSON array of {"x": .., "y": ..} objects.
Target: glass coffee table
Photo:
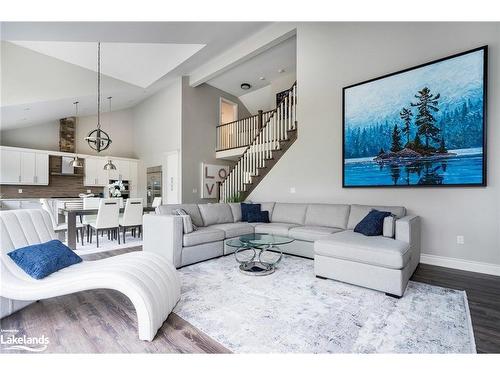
[{"x": 257, "y": 245}]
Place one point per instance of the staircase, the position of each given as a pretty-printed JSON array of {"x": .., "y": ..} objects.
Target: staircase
[{"x": 270, "y": 141}]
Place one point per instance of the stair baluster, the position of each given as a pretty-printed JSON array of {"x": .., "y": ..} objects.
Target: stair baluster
[{"x": 266, "y": 136}]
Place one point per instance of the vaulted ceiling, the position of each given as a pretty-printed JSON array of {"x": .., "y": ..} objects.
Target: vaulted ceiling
[{"x": 47, "y": 66}]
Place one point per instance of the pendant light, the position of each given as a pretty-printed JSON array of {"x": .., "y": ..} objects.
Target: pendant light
[
  {"x": 98, "y": 139},
  {"x": 76, "y": 163},
  {"x": 109, "y": 166}
]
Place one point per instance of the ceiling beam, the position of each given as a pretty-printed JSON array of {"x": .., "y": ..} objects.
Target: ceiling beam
[{"x": 243, "y": 51}]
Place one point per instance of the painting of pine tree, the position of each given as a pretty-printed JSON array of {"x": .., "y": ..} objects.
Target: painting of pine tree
[{"x": 424, "y": 126}]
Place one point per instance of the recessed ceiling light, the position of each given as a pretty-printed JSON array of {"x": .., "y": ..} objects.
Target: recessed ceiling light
[
  {"x": 245, "y": 86},
  {"x": 262, "y": 78},
  {"x": 281, "y": 70}
]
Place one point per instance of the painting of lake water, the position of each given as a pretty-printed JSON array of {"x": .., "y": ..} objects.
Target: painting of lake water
[{"x": 420, "y": 127}]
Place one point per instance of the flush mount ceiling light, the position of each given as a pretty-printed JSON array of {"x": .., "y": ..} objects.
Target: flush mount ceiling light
[
  {"x": 98, "y": 139},
  {"x": 245, "y": 86},
  {"x": 262, "y": 78},
  {"x": 281, "y": 70},
  {"x": 109, "y": 166},
  {"x": 76, "y": 163}
]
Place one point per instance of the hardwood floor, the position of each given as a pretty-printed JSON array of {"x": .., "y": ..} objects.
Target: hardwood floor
[
  {"x": 101, "y": 320},
  {"x": 483, "y": 294}
]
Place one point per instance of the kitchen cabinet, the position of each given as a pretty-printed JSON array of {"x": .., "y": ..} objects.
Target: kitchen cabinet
[
  {"x": 10, "y": 167},
  {"x": 122, "y": 171},
  {"x": 95, "y": 175},
  {"x": 42, "y": 169},
  {"x": 24, "y": 168},
  {"x": 28, "y": 168}
]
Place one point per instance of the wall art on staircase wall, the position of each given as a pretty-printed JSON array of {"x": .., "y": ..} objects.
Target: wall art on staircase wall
[
  {"x": 211, "y": 175},
  {"x": 423, "y": 126}
]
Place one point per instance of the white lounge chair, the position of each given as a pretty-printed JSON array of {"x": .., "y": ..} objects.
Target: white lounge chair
[{"x": 147, "y": 279}]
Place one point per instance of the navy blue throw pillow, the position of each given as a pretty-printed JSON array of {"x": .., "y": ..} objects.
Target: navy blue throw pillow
[
  {"x": 248, "y": 207},
  {"x": 42, "y": 259},
  {"x": 372, "y": 224},
  {"x": 258, "y": 217}
]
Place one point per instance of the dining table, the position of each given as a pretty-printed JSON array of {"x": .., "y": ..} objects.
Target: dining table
[{"x": 71, "y": 214}]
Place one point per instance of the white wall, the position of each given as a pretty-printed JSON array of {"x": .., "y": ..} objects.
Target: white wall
[
  {"x": 117, "y": 124},
  {"x": 265, "y": 97},
  {"x": 333, "y": 55},
  {"x": 43, "y": 136},
  {"x": 157, "y": 130}
]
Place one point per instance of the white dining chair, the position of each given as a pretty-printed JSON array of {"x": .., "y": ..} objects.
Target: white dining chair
[
  {"x": 90, "y": 203},
  {"x": 60, "y": 227},
  {"x": 132, "y": 216},
  {"x": 156, "y": 202},
  {"x": 107, "y": 219}
]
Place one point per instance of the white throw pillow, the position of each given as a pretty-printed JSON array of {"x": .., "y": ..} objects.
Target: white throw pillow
[
  {"x": 389, "y": 226},
  {"x": 187, "y": 223}
]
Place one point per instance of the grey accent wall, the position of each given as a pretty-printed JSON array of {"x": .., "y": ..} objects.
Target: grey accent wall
[
  {"x": 333, "y": 55},
  {"x": 200, "y": 116}
]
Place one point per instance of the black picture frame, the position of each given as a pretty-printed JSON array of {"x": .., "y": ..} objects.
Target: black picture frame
[{"x": 483, "y": 183}]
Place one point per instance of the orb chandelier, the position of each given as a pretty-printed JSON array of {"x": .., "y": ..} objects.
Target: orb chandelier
[{"x": 98, "y": 139}]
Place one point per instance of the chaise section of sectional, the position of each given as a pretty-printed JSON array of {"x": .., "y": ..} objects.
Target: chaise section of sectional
[{"x": 377, "y": 262}]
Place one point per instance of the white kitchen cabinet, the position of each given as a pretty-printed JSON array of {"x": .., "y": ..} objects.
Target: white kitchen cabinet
[
  {"x": 122, "y": 171},
  {"x": 42, "y": 169},
  {"x": 10, "y": 167},
  {"x": 24, "y": 168},
  {"x": 28, "y": 168},
  {"x": 95, "y": 175},
  {"x": 90, "y": 170}
]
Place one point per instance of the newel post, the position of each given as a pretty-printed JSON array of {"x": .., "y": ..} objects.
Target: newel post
[{"x": 259, "y": 119}]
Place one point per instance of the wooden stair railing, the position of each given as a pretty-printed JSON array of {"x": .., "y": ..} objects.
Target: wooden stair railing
[
  {"x": 275, "y": 136},
  {"x": 240, "y": 133}
]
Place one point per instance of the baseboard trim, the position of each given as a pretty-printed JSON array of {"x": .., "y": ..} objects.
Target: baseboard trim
[{"x": 461, "y": 264}]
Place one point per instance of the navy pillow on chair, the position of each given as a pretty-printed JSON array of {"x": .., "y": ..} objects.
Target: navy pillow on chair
[
  {"x": 248, "y": 207},
  {"x": 372, "y": 224},
  {"x": 258, "y": 217},
  {"x": 42, "y": 259}
]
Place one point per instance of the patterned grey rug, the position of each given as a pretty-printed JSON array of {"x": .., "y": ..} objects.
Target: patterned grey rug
[{"x": 293, "y": 311}]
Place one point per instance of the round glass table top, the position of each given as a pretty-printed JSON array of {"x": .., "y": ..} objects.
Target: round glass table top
[{"x": 258, "y": 239}]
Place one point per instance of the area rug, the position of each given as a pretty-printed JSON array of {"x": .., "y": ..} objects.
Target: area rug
[
  {"x": 107, "y": 245},
  {"x": 292, "y": 311}
]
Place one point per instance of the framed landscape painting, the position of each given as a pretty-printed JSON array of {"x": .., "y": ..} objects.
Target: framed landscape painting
[{"x": 423, "y": 126}]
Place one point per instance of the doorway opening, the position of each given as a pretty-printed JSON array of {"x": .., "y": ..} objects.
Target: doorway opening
[{"x": 228, "y": 111}]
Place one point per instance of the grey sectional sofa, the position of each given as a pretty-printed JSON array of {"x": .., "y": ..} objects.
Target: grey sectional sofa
[{"x": 323, "y": 232}]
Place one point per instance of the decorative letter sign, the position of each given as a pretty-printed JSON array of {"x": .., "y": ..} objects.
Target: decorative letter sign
[{"x": 211, "y": 174}]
